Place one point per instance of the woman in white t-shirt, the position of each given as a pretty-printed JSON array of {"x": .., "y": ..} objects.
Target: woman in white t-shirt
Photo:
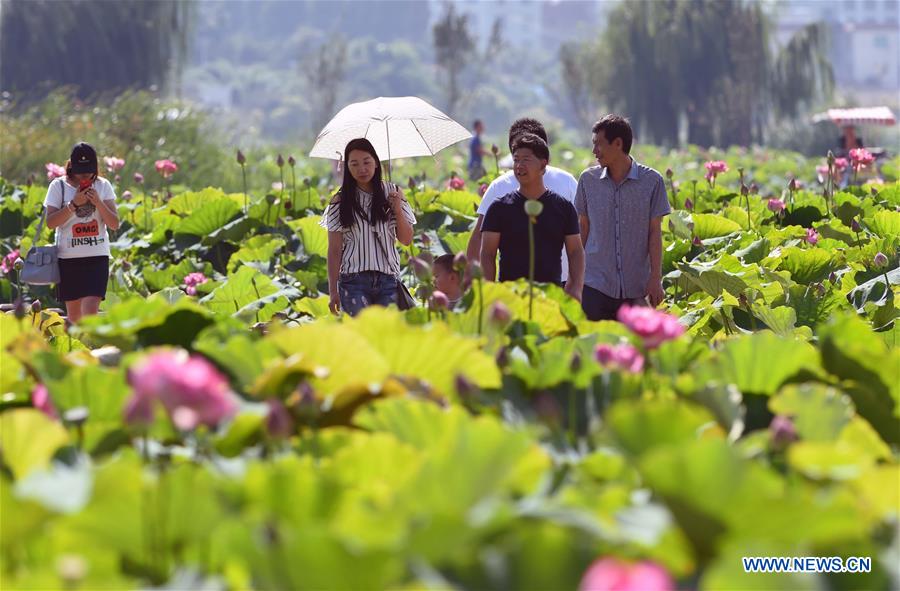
[
  {"x": 81, "y": 206},
  {"x": 364, "y": 221}
]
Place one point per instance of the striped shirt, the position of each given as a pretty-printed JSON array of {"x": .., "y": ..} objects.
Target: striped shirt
[
  {"x": 361, "y": 250},
  {"x": 617, "y": 254}
]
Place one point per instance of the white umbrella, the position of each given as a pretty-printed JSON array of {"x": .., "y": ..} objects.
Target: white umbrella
[{"x": 398, "y": 127}]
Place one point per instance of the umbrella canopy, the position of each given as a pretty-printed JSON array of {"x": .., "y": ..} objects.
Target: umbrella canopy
[
  {"x": 398, "y": 127},
  {"x": 871, "y": 115}
]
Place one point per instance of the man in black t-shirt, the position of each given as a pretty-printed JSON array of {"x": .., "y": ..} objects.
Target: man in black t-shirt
[{"x": 505, "y": 226}]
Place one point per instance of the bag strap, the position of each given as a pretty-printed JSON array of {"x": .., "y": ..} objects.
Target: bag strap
[{"x": 40, "y": 227}]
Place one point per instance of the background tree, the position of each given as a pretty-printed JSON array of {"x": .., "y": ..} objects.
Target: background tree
[
  {"x": 454, "y": 46},
  {"x": 709, "y": 64},
  {"x": 324, "y": 74},
  {"x": 93, "y": 46}
]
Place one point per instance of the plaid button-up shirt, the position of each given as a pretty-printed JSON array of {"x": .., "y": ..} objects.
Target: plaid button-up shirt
[{"x": 617, "y": 257}]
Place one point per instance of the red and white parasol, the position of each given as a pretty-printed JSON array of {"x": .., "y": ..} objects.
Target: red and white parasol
[{"x": 858, "y": 116}]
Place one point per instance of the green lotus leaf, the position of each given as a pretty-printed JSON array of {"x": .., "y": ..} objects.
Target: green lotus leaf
[{"x": 29, "y": 439}]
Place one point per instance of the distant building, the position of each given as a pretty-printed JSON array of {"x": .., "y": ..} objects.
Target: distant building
[{"x": 864, "y": 35}]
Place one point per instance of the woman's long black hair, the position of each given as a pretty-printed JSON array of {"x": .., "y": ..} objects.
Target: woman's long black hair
[{"x": 349, "y": 199}]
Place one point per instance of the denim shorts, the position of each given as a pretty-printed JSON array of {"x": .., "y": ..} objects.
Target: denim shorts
[{"x": 360, "y": 290}]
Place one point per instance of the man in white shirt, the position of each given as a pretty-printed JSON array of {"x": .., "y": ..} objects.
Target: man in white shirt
[{"x": 555, "y": 179}]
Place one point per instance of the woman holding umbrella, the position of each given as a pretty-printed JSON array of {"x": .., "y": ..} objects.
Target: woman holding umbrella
[{"x": 364, "y": 220}]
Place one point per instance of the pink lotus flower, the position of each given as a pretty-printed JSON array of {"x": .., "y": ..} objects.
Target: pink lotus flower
[
  {"x": 40, "y": 399},
  {"x": 192, "y": 280},
  {"x": 6, "y": 265},
  {"x": 716, "y": 167},
  {"x": 113, "y": 164},
  {"x": 138, "y": 178},
  {"x": 625, "y": 357},
  {"x": 54, "y": 171},
  {"x": 612, "y": 574},
  {"x": 439, "y": 300},
  {"x": 190, "y": 388},
  {"x": 653, "y": 326},
  {"x": 812, "y": 237},
  {"x": 482, "y": 189},
  {"x": 455, "y": 183},
  {"x": 166, "y": 168},
  {"x": 782, "y": 430},
  {"x": 775, "y": 205},
  {"x": 861, "y": 158},
  {"x": 840, "y": 164}
]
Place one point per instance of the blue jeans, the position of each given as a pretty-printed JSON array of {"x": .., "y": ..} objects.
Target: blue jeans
[{"x": 360, "y": 290}]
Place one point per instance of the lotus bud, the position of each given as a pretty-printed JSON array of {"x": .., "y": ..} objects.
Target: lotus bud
[
  {"x": 126, "y": 195},
  {"x": 411, "y": 184},
  {"x": 280, "y": 161},
  {"x": 19, "y": 308},
  {"x": 307, "y": 182},
  {"x": 792, "y": 185},
  {"x": 854, "y": 225},
  {"x": 502, "y": 357},
  {"x": 459, "y": 262},
  {"x": 533, "y": 207},
  {"x": 830, "y": 158},
  {"x": 138, "y": 178},
  {"x": 421, "y": 269},
  {"x": 495, "y": 150},
  {"x": 754, "y": 188},
  {"x": 499, "y": 315},
  {"x": 880, "y": 260},
  {"x": 19, "y": 264},
  {"x": 279, "y": 423},
  {"x": 439, "y": 301},
  {"x": 465, "y": 388},
  {"x": 292, "y": 162},
  {"x": 669, "y": 173},
  {"x": 782, "y": 431},
  {"x": 36, "y": 307},
  {"x": 688, "y": 204},
  {"x": 744, "y": 190},
  {"x": 241, "y": 159},
  {"x": 696, "y": 241}
]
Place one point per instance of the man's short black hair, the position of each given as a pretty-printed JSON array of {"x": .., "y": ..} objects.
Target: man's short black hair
[
  {"x": 613, "y": 127},
  {"x": 526, "y": 125},
  {"x": 445, "y": 261},
  {"x": 477, "y": 123},
  {"x": 535, "y": 143}
]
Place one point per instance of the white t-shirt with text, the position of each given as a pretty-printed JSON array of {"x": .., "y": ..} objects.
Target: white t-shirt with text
[
  {"x": 84, "y": 234},
  {"x": 555, "y": 179}
]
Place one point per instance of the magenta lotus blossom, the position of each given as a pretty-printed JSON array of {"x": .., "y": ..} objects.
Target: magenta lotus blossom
[
  {"x": 190, "y": 388},
  {"x": 456, "y": 184},
  {"x": 688, "y": 204},
  {"x": 612, "y": 574},
  {"x": 54, "y": 171},
  {"x": 841, "y": 164},
  {"x": 113, "y": 164},
  {"x": 812, "y": 237},
  {"x": 192, "y": 280},
  {"x": 775, "y": 205},
  {"x": 861, "y": 158},
  {"x": 653, "y": 326},
  {"x": 40, "y": 398},
  {"x": 279, "y": 423},
  {"x": 166, "y": 168},
  {"x": 716, "y": 167},
  {"x": 499, "y": 314},
  {"x": 624, "y": 356},
  {"x": 6, "y": 265},
  {"x": 138, "y": 178}
]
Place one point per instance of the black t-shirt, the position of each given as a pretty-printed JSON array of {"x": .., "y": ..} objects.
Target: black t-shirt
[{"x": 557, "y": 220}]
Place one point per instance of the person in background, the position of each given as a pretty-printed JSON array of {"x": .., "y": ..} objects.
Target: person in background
[
  {"x": 477, "y": 152},
  {"x": 506, "y": 225},
  {"x": 555, "y": 179},
  {"x": 364, "y": 220},
  {"x": 80, "y": 207},
  {"x": 620, "y": 205},
  {"x": 447, "y": 279}
]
